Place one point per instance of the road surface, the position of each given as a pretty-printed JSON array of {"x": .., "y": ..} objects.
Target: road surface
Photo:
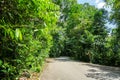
[{"x": 65, "y": 69}]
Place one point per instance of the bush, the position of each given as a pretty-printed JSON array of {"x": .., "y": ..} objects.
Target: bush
[{"x": 25, "y": 31}]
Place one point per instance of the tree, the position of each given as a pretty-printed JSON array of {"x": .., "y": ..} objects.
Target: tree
[
  {"x": 99, "y": 30},
  {"x": 80, "y": 39},
  {"x": 115, "y": 17}
]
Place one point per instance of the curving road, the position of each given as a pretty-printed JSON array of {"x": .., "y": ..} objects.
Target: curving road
[{"x": 65, "y": 69}]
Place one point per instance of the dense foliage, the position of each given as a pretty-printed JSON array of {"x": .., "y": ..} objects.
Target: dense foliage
[
  {"x": 26, "y": 28},
  {"x": 32, "y": 30}
]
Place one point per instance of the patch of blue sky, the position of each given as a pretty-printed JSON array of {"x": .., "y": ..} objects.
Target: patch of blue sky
[
  {"x": 97, "y": 3},
  {"x": 91, "y": 2}
]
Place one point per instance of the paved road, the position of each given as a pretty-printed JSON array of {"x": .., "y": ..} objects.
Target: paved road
[{"x": 65, "y": 69}]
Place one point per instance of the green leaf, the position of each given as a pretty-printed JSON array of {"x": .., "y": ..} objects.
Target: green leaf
[
  {"x": 11, "y": 34},
  {"x": 18, "y": 34},
  {"x": 20, "y": 37}
]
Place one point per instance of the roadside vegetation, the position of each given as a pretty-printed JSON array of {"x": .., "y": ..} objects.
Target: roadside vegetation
[{"x": 32, "y": 30}]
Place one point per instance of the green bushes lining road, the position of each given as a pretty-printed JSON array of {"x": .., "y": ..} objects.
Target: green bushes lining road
[{"x": 25, "y": 35}]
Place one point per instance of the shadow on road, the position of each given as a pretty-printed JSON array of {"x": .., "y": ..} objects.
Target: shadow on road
[
  {"x": 63, "y": 59},
  {"x": 103, "y": 72},
  {"x": 59, "y": 59}
]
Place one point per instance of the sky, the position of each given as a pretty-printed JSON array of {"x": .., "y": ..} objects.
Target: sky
[{"x": 98, "y": 4}]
